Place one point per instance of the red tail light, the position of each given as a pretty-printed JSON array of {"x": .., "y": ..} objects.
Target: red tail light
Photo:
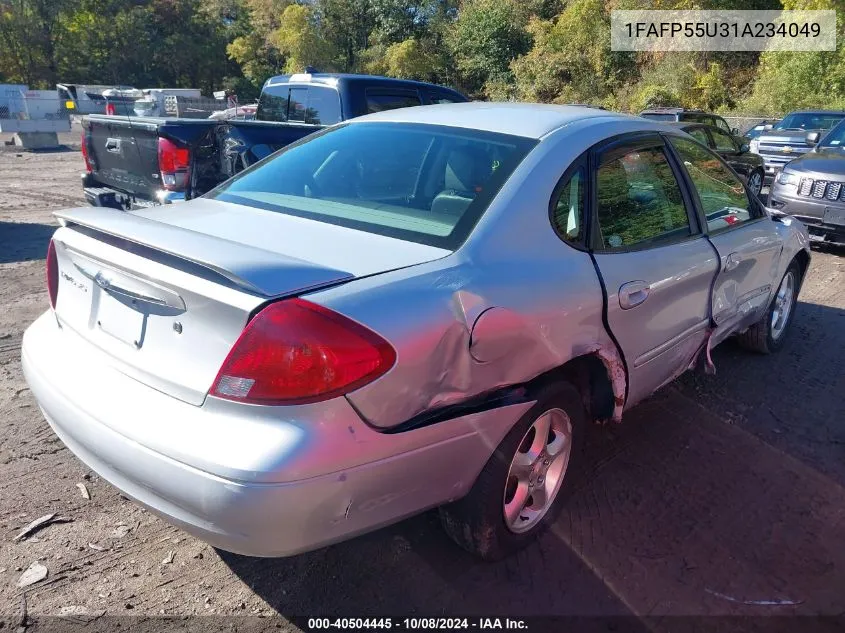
[
  {"x": 52, "y": 274},
  {"x": 174, "y": 162},
  {"x": 88, "y": 167},
  {"x": 110, "y": 109},
  {"x": 294, "y": 352}
]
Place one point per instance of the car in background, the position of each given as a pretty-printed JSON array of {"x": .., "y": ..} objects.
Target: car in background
[
  {"x": 421, "y": 308},
  {"x": 146, "y": 161},
  {"x": 812, "y": 187},
  {"x": 152, "y": 102},
  {"x": 682, "y": 115},
  {"x": 94, "y": 99},
  {"x": 763, "y": 126},
  {"x": 733, "y": 150},
  {"x": 788, "y": 139}
]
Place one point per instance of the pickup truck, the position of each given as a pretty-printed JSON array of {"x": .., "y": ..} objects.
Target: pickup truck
[
  {"x": 787, "y": 139},
  {"x": 136, "y": 162}
]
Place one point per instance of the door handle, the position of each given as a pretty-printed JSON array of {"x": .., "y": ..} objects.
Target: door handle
[
  {"x": 732, "y": 261},
  {"x": 633, "y": 293},
  {"x": 113, "y": 145}
]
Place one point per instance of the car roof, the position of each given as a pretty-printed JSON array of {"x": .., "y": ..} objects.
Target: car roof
[
  {"x": 842, "y": 112},
  {"x": 334, "y": 78},
  {"x": 531, "y": 120},
  {"x": 672, "y": 111}
]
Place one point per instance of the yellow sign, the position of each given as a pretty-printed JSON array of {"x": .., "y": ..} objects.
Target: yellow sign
[{"x": 70, "y": 105}]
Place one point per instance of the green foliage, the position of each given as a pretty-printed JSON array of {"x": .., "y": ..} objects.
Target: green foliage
[
  {"x": 571, "y": 59},
  {"x": 554, "y": 51},
  {"x": 299, "y": 39},
  {"x": 486, "y": 38}
]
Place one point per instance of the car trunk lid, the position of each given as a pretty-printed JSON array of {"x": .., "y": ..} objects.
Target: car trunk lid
[{"x": 165, "y": 303}]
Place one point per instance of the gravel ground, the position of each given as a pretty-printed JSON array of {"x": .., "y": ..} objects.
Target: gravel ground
[{"x": 721, "y": 495}]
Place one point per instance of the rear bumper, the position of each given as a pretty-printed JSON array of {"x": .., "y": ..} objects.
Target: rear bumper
[
  {"x": 260, "y": 481},
  {"x": 102, "y": 196}
]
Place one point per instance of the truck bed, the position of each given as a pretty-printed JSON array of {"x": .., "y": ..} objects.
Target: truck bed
[{"x": 124, "y": 154}]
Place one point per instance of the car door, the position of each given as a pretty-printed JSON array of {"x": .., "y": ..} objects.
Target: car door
[
  {"x": 749, "y": 246},
  {"x": 655, "y": 263}
]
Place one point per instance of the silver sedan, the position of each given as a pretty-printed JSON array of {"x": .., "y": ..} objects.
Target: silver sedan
[{"x": 420, "y": 308}]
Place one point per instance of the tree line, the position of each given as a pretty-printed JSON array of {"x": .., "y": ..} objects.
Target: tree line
[{"x": 555, "y": 51}]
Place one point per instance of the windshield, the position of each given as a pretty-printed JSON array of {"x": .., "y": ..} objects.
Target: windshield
[
  {"x": 836, "y": 137},
  {"x": 421, "y": 183},
  {"x": 809, "y": 121}
]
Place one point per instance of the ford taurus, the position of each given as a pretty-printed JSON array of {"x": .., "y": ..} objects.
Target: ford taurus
[{"x": 422, "y": 308}]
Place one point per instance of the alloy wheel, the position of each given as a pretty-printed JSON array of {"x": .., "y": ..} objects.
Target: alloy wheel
[{"x": 537, "y": 470}]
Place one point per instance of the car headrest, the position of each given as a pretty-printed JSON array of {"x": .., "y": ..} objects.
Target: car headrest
[{"x": 465, "y": 169}]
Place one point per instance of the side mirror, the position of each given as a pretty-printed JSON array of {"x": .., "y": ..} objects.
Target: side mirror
[
  {"x": 744, "y": 148},
  {"x": 813, "y": 138}
]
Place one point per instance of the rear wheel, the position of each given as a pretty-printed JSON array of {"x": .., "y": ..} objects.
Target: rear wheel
[
  {"x": 525, "y": 482},
  {"x": 769, "y": 333},
  {"x": 755, "y": 182}
]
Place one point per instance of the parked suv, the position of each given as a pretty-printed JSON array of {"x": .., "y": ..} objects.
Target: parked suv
[
  {"x": 812, "y": 187},
  {"x": 788, "y": 138},
  {"x": 689, "y": 116}
]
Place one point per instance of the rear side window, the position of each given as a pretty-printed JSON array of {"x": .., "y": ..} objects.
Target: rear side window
[
  {"x": 381, "y": 100},
  {"x": 421, "y": 183},
  {"x": 273, "y": 104},
  {"x": 639, "y": 199},
  {"x": 722, "y": 195},
  {"x": 568, "y": 207},
  {"x": 316, "y": 105}
]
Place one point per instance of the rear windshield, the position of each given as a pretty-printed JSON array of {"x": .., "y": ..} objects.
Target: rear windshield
[
  {"x": 315, "y": 105},
  {"x": 659, "y": 117},
  {"x": 809, "y": 121},
  {"x": 421, "y": 183}
]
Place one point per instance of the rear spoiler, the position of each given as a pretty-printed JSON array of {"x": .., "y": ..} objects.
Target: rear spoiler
[{"x": 255, "y": 270}]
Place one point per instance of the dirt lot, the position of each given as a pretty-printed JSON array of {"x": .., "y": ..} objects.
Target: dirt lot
[{"x": 721, "y": 495}]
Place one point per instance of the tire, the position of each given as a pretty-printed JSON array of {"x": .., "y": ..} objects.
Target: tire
[
  {"x": 755, "y": 182},
  {"x": 766, "y": 336},
  {"x": 478, "y": 523}
]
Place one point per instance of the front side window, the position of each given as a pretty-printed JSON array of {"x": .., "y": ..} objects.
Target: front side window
[
  {"x": 722, "y": 195},
  {"x": 722, "y": 141},
  {"x": 379, "y": 101},
  {"x": 639, "y": 199},
  {"x": 568, "y": 207},
  {"x": 421, "y": 183}
]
